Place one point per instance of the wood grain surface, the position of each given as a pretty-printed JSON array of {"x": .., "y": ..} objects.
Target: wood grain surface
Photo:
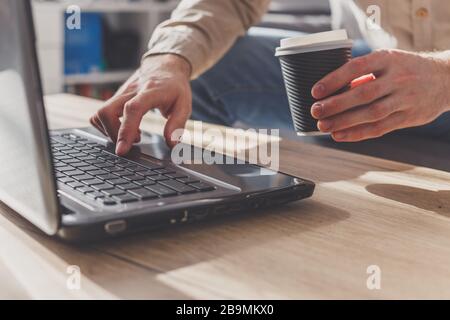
[{"x": 365, "y": 212}]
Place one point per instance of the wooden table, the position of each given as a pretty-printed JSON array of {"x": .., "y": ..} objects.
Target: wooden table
[{"x": 365, "y": 212}]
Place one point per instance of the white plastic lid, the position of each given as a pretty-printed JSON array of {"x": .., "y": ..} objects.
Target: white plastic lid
[{"x": 314, "y": 42}]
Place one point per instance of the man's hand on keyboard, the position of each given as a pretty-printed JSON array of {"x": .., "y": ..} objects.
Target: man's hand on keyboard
[{"x": 161, "y": 83}]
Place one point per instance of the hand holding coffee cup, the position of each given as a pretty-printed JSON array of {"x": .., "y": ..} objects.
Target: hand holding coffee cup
[{"x": 305, "y": 60}]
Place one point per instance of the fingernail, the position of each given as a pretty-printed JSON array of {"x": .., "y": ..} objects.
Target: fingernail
[
  {"x": 340, "y": 135},
  {"x": 317, "y": 110},
  {"x": 121, "y": 148},
  {"x": 318, "y": 90},
  {"x": 325, "y": 125}
]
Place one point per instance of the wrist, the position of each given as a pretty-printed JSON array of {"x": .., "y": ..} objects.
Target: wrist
[
  {"x": 447, "y": 83},
  {"x": 168, "y": 61},
  {"x": 442, "y": 61}
]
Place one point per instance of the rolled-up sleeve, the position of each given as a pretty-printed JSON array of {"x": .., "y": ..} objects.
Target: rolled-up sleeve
[{"x": 202, "y": 31}]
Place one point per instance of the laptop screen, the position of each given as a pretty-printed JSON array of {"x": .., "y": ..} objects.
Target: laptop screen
[{"x": 26, "y": 180}]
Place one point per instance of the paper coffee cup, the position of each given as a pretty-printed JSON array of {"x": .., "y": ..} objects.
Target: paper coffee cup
[{"x": 305, "y": 60}]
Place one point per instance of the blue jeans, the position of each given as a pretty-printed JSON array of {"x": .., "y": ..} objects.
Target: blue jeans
[{"x": 245, "y": 89}]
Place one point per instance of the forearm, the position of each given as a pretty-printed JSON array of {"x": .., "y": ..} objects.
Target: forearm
[{"x": 202, "y": 31}]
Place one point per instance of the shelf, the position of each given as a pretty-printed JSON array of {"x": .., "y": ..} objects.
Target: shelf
[
  {"x": 98, "y": 77},
  {"x": 116, "y": 6}
]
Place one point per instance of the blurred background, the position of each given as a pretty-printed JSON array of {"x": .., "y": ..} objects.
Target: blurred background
[{"x": 94, "y": 60}]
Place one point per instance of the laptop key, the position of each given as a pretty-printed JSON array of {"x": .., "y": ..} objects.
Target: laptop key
[
  {"x": 123, "y": 173},
  {"x": 134, "y": 167},
  {"x": 69, "y": 152},
  {"x": 95, "y": 195},
  {"x": 88, "y": 168},
  {"x": 105, "y": 165},
  {"x": 158, "y": 178},
  {"x": 188, "y": 180},
  {"x": 62, "y": 158},
  {"x": 145, "y": 182},
  {"x": 125, "y": 198},
  {"x": 113, "y": 192},
  {"x": 144, "y": 194},
  {"x": 75, "y": 144},
  {"x": 75, "y": 184},
  {"x": 117, "y": 181},
  {"x": 107, "y": 176},
  {"x": 128, "y": 186},
  {"x": 92, "y": 182},
  {"x": 95, "y": 162},
  {"x": 59, "y": 175},
  {"x": 153, "y": 166},
  {"x": 59, "y": 139},
  {"x": 86, "y": 158},
  {"x": 65, "y": 180},
  {"x": 147, "y": 173},
  {"x": 99, "y": 147},
  {"x": 85, "y": 189},
  {"x": 79, "y": 154},
  {"x": 114, "y": 169},
  {"x": 108, "y": 202},
  {"x": 134, "y": 177},
  {"x": 83, "y": 177},
  {"x": 65, "y": 168},
  {"x": 59, "y": 164},
  {"x": 176, "y": 175},
  {"x": 139, "y": 169},
  {"x": 78, "y": 164},
  {"x": 202, "y": 186},
  {"x": 74, "y": 173},
  {"x": 97, "y": 172},
  {"x": 103, "y": 186},
  {"x": 165, "y": 171},
  {"x": 58, "y": 154},
  {"x": 84, "y": 148},
  {"x": 64, "y": 148},
  {"x": 178, "y": 186},
  {"x": 74, "y": 162},
  {"x": 161, "y": 190}
]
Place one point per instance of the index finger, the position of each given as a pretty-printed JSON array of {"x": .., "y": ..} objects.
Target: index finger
[
  {"x": 133, "y": 113},
  {"x": 358, "y": 67}
]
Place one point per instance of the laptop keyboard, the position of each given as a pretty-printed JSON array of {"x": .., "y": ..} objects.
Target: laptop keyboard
[{"x": 88, "y": 168}]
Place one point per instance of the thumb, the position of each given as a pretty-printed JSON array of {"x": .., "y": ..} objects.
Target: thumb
[{"x": 177, "y": 119}]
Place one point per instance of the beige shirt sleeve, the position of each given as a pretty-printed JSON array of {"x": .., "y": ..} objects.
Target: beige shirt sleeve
[{"x": 202, "y": 31}]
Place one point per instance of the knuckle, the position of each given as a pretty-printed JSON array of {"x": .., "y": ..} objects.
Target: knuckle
[
  {"x": 131, "y": 108},
  {"x": 152, "y": 83},
  {"x": 377, "y": 111},
  {"x": 101, "y": 114},
  {"x": 331, "y": 106},
  {"x": 358, "y": 65},
  {"x": 93, "y": 121},
  {"x": 364, "y": 94},
  {"x": 376, "y": 130},
  {"x": 382, "y": 53},
  {"x": 124, "y": 132}
]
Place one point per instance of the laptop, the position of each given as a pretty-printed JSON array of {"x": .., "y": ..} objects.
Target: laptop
[{"x": 70, "y": 184}]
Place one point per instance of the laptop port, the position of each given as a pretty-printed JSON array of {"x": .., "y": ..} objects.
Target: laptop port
[{"x": 115, "y": 227}]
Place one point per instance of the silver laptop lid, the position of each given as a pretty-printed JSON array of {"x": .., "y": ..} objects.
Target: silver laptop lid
[{"x": 26, "y": 179}]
